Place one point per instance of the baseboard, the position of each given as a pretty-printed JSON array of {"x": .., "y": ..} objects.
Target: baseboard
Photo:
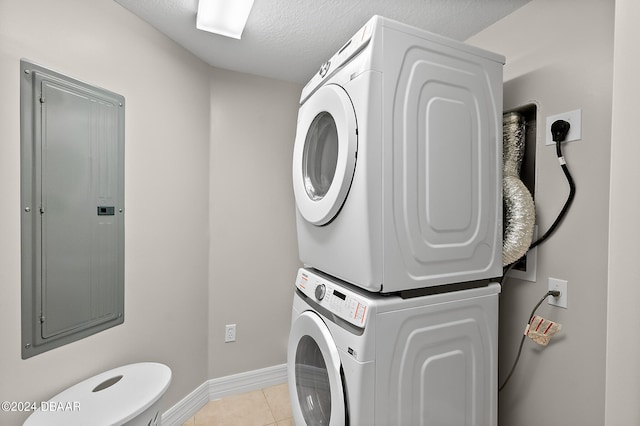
[
  {"x": 222, "y": 387},
  {"x": 187, "y": 406}
]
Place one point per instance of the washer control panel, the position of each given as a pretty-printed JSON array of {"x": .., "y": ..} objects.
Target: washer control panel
[{"x": 341, "y": 301}]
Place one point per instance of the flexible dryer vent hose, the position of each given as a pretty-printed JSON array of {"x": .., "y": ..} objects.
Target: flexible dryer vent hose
[{"x": 519, "y": 209}]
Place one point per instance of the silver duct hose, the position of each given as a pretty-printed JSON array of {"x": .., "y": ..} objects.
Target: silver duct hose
[{"x": 519, "y": 212}]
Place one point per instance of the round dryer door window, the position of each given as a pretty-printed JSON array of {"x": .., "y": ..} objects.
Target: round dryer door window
[
  {"x": 320, "y": 156},
  {"x": 324, "y": 156},
  {"x": 315, "y": 382}
]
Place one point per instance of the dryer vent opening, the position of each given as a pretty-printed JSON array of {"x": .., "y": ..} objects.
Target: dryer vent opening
[{"x": 519, "y": 209}]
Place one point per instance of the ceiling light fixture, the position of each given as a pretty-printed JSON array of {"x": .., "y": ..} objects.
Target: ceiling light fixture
[{"x": 224, "y": 17}]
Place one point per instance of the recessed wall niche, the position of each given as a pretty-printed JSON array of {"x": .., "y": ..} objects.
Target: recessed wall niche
[
  {"x": 72, "y": 203},
  {"x": 525, "y": 268}
]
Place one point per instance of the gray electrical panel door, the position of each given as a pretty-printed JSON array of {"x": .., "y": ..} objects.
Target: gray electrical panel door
[{"x": 73, "y": 209}]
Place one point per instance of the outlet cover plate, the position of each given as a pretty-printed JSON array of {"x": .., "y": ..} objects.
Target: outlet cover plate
[
  {"x": 561, "y": 285},
  {"x": 574, "y": 118},
  {"x": 230, "y": 333}
]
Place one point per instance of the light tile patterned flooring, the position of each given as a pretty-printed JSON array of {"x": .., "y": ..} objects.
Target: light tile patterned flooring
[{"x": 265, "y": 407}]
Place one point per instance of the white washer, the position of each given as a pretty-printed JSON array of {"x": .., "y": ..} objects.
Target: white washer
[
  {"x": 358, "y": 358},
  {"x": 397, "y": 167}
]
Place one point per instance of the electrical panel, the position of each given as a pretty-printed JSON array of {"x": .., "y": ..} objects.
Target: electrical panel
[{"x": 72, "y": 195}]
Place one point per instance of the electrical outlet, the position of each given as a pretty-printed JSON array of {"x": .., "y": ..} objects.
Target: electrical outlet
[
  {"x": 230, "y": 333},
  {"x": 574, "y": 118},
  {"x": 561, "y": 286}
]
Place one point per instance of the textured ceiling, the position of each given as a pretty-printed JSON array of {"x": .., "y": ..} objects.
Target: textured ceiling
[{"x": 290, "y": 39}]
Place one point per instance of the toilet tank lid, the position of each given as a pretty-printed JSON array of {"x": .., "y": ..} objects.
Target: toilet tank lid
[{"x": 113, "y": 397}]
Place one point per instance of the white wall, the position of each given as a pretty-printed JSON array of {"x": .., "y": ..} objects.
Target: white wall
[
  {"x": 560, "y": 55},
  {"x": 623, "y": 322},
  {"x": 166, "y": 193},
  {"x": 253, "y": 247}
]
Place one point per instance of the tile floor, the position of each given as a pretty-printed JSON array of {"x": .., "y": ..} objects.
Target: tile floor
[{"x": 268, "y": 406}]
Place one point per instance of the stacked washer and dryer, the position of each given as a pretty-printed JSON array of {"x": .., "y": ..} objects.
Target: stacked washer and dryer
[{"x": 397, "y": 175}]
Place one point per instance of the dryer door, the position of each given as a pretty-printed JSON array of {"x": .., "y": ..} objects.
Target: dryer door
[
  {"x": 315, "y": 382},
  {"x": 324, "y": 155}
]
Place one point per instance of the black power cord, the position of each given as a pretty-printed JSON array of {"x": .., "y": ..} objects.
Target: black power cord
[
  {"x": 559, "y": 131},
  {"x": 554, "y": 293}
]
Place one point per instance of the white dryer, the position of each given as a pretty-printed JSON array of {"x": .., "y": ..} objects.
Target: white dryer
[
  {"x": 359, "y": 358},
  {"x": 397, "y": 167}
]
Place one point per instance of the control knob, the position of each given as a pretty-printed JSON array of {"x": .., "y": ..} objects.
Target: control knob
[
  {"x": 320, "y": 291},
  {"x": 324, "y": 69}
]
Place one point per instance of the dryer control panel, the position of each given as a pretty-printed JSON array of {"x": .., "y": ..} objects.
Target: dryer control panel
[
  {"x": 337, "y": 299},
  {"x": 358, "y": 42}
]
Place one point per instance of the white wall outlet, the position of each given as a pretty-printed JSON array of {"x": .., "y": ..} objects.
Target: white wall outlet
[
  {"x": 230, "y": 333},
  {"x": 574, "y": 118},
  {"x": 561, "y": 286}
]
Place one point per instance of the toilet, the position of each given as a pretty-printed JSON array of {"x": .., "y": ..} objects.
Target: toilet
[{"x": 125, "y": 396}]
